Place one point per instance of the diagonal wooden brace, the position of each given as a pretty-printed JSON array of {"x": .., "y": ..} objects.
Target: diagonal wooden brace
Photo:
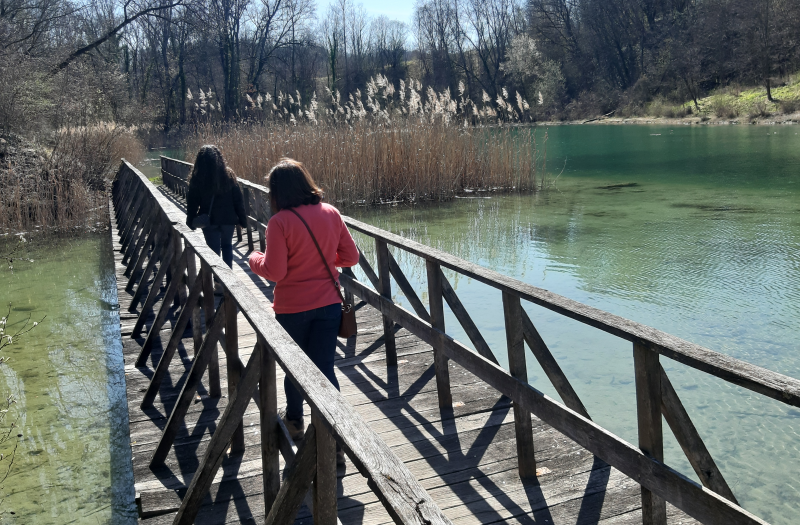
[
  {"x": 169, "y": 351},
  {"x": 230, "y": 421},
  {"x": 199, "y": 365}
]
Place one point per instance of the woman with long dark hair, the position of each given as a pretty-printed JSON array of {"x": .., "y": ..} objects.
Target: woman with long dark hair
[
  {"x": 213, "y": 191},
  {"x": 302, "y": 232}
]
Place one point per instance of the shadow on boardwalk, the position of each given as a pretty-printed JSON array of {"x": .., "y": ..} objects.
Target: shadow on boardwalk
[{"x": 465, "y": 456}]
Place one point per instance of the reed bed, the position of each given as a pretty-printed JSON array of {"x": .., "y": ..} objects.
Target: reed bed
[
  {"x": 387, "y": 145},
  {"x": 62, "y": 187}
]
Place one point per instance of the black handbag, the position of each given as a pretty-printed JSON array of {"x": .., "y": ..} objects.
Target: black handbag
[
  {"x": 347, "y": 326},
  {"x": 204, "y": 219}
]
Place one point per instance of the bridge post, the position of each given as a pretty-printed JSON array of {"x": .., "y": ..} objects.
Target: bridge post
[
  {"x": 384, "y": 279},
  {"x": 436, "y": 307},
  {"x": 648, "y": 411},
  {"x": 512, "y": 309},
  {"x": 234, "y": 363},
  {"x": 214, "y": 389},
  {"x": 325, "y": 480},
  {"x": 270, "y": 444}
]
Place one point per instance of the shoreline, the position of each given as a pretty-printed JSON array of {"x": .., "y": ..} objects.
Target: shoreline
[{"x": 774, "y": 120}]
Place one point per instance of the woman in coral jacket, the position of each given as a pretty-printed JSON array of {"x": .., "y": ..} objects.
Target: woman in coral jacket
[{"x": 306, "y": 301}]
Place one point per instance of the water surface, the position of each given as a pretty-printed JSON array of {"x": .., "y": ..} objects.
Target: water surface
[
  {"x": 73, "y": 463},
  {"x": 692, "y": 230}
]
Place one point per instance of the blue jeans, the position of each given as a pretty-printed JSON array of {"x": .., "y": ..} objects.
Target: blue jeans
[
  {"x": 315, "y": 333},
  {"x": 220, "y": 238}
]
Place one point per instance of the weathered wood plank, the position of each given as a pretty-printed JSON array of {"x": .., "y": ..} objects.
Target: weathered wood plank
[
  {"x": 407, "y": 289},
  {"x": 550, "y": 367},
  {"x": 299, "y": 476},
  {"x": 512, "y": 312},
  {"x": 690, "y": 441},
  {"x": 325, "y": 478},
  {"x": 199, "y": 365},
  {"x": 648, "y": 412},
  {"x": 436, "y": 318},
  {"x": 385, "y": 289},
  {"x": 464, "y": 319},
  {"x": 228, "y": 425}
]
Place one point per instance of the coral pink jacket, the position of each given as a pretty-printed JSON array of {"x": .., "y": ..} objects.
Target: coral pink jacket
[{"x": 292, "y": 260}]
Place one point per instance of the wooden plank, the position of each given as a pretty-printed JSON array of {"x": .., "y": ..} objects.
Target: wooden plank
[
  {"x": 551, "y": 367},
  {"x": 228, "y": 425},
  {"x": 157, "y": 256},
  {"x": 363, "y": 263},
  {"x": 436, "y": 319},
  {"x": 690, "y": 441},
  {"x": 172, "y": 346},
  {"x": 512, "y": 312},
  {"x": 136, "y": 244},
  {"x": 233, "y": 362},
  {"x": 648, "y": 412},
  {"x": 131, "y": 218},
  {"x": 698, "y": 502},
  {"x": 199, "y": 365},
  {"x": 385, "y": 289},
  {"x": 250, "y": 245},
  {"x": 324, "y": 511},
  {"x": 772, "y": 384},
  {"x": 130, "y": 237},
  {"x": 155, "y": 288},
  {"x": 270, "y": 426},
  {"x": 407, "y": 289},
  {"x": 465, "y": 320},
  {"x": 197, "y": 326},
  {"x": 214, "y": 389},
  {"x": 299, "y": 475},
  {"x": 136, "y": 262}
]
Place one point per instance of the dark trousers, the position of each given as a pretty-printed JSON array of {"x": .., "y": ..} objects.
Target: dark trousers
[
  {"x": 220, "y": 238},
  {"x": 315, "y": 333}
]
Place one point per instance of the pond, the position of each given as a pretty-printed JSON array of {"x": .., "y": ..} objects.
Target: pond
[
  {"x": 692, "y": 230},
  {"x": 73, "y": 462}
]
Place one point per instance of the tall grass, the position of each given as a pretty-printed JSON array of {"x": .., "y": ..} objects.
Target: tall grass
[
  {"x": 385, "y": 145},
  {"x": 62, "y": 187}
]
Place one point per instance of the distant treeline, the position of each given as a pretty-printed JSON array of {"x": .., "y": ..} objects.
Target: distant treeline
[{"x": 138, "y": 61}]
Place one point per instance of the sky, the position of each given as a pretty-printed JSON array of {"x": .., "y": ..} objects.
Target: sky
[{"x": 394, "y": 9}]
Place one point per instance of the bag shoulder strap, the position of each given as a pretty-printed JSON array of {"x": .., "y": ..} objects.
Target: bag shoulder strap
[{"x": 322, "y": 256}]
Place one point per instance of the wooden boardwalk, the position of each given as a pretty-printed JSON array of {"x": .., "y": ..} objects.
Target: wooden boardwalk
[
  {"x": 465, "y": 458},
  {"x": 435, "y": 432}
]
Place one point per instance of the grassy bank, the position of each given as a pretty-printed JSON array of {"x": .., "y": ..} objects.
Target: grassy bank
[
  {"x": 731, "y": 103},
  {"x": 387, "y": 144}
]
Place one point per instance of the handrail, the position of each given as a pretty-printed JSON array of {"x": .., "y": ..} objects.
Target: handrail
[
  {"x": 332, "y": 417},
  {"x": 713, "y": 502}
]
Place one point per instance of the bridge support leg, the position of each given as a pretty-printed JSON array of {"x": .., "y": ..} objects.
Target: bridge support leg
[
  {"x": 512, "y": 309},
  {"x": 648, "y": 411},
  {"x": 384, "y": 278},
  {"x": 440, "y": 361}
]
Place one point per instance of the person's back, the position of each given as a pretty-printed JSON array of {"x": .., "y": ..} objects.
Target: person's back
[
  {"x": 293, "y": 262},
  {"x": 307, "y": 303},
  {"x": 213, "y": 191}
]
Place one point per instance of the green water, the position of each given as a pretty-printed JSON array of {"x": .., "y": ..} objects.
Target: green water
[
  {"x": 692, "y": 230},
  {"x": 73, "y": 463}
]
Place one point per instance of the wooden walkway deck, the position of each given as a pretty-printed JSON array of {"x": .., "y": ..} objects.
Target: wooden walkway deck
[{"x": 466, "y": 459}]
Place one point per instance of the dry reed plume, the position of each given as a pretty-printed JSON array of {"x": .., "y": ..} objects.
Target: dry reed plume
[{"x": 386, "y": 145}]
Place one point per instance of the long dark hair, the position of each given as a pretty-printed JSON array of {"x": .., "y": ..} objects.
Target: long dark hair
[
  {"x": 210, "y": 171},
  {"x": 290, "y": 185}
]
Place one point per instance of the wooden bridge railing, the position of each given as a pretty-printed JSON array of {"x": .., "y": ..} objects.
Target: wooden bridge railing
[
  {"x": 157, "y": 244},
  {"x": 712, "y": 502}
]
